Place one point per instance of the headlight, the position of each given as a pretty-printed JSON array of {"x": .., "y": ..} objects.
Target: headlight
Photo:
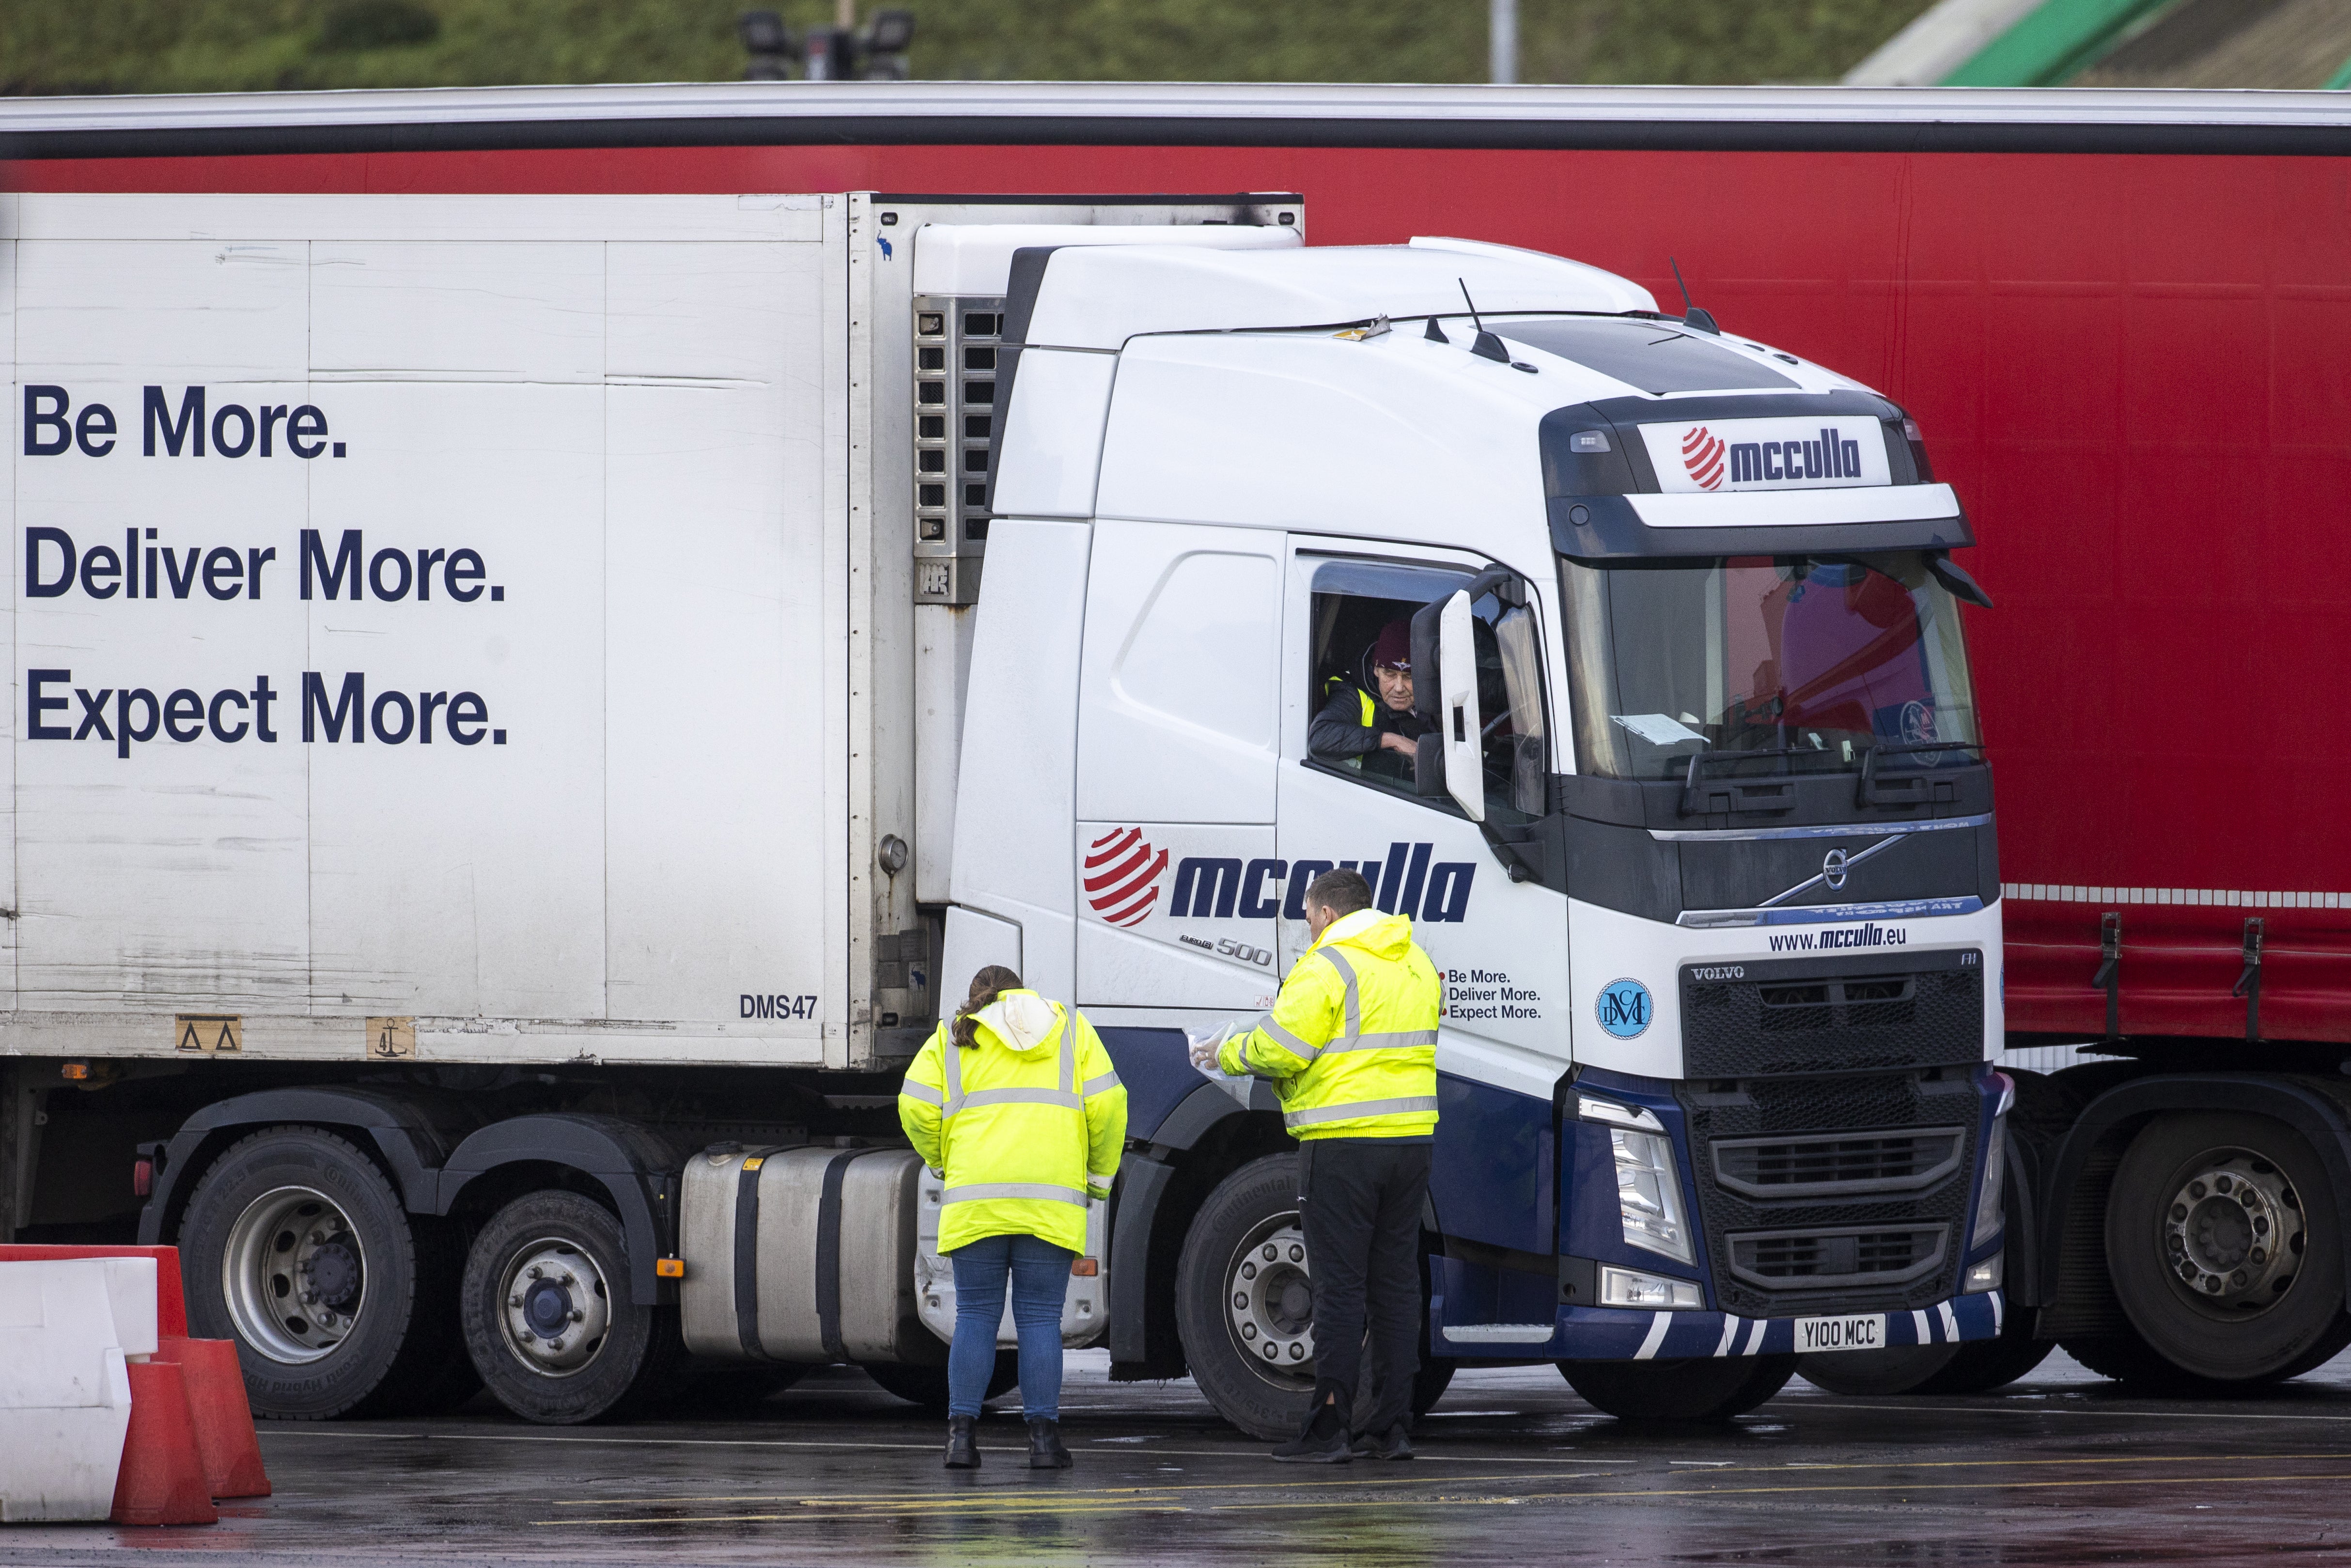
[
  {"x": 1988, "y": 1217},
  {"x": 1984, "y": 1276},
  {"x": 1648, "y": 1192}
]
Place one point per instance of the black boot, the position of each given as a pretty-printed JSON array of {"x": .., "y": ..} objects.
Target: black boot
[
  {"x": 1394, "y": 1443},
  {"x": 1323, "y": 1441},
  {"x": 1045, "y": 1449},
  {"x": 963, "y": 1449}
]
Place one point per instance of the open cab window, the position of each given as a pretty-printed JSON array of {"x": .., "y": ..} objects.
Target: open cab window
[{"x": 1355, "y": 603}]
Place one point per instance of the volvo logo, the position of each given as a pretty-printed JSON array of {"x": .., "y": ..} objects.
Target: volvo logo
[{"x": 1832, "y": 870}]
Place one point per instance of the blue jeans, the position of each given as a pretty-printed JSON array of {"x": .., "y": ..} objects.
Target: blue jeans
[{"x": 1040, "y": 1281}]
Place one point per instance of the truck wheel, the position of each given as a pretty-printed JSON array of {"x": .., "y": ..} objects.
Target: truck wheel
[
  {"x": 2126, "y": 1358},
  {"x": 727, "y": 1387},
  {"x": 548, "y": 1322},
  {"x": 1983, "y": 1365},
  {"x": 297, "y": 1247},
  {"x": 1978, "y": 1366},
  {"x": 1245, "y": 1303},
  {"x": 1690, "y": 1388},
  {"x": 927, "y": 1385},
  {"x": 2224, "y": 1243},
  {"x": 1429, "y": 1383},
  {"x": 1876, "y": 1372}
]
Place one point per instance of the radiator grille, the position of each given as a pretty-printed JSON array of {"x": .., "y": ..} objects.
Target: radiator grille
[
  {"x": 1842, "y": 1165},
  {"x": 1806, "y": 1017},
  {"x": 1838, "y": 1258},
  {"x": 1828, "y": 1102}
]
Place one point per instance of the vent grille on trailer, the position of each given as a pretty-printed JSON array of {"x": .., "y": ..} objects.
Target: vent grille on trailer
[{"x": 956, "y": 341}]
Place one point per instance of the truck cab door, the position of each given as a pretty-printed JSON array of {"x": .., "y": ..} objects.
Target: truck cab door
[
  {"x": 1500, "y": 946},
  {"x": 1177, "y": 751}
]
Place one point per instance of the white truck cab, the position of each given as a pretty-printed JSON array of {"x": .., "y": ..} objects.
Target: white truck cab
[{"x": 1698, "y": 831}]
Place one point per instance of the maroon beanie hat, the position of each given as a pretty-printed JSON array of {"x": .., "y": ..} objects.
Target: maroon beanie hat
[{"x": 1393, "y": 650}]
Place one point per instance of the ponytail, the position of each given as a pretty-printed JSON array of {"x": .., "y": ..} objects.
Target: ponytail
[{"x": 987, "y": 986}]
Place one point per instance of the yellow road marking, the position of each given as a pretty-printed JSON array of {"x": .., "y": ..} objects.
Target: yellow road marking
[
  {"x": 937, "y": 1495},
  {"x": 934, "y": 1495},
  {"x": 1034, "y": 1504}
]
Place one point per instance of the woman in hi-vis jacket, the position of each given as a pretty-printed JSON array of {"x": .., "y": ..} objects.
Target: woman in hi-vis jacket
[{"x": 1016, "y": 1107}]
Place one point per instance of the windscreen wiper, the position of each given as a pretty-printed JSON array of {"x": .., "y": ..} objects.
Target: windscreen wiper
[
  {"x": 1698, "y": 759},
  {"x": 1867, "y": 795}
]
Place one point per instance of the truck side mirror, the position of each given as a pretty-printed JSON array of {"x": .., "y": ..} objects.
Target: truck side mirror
[{"x": 1461, "y": 724}]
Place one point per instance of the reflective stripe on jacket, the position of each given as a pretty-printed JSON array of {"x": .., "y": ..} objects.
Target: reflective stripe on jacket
[
  {"x": 1025, "y": 1127},
  {"x": 1352, "y": 1040}
]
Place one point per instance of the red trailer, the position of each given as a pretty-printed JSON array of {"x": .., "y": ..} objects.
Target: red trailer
[{"x": 2121, "y": 318}]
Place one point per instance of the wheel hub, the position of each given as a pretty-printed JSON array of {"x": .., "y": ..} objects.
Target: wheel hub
[
  {"x": 2233, "y": 1232},
  {"x": 294, "y": 1275},
  {"x": 557, "y": 1307},
  {"x": 331, "y": 1275},
  {"x": 1270, "y": 1298}
]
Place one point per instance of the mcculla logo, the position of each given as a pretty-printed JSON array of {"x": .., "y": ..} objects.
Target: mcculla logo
[
  {"x": 1122, "y": 872},
  {"x": 1702, "y": 455},
  {"x": 1122, "y": 876},
  {"x": 1791, "y": 462}
]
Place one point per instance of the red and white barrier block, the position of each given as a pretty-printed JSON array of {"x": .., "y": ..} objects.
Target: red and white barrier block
[
  {"x": 101, "y": 1416},
  {"x": 64, "y": 1385}
]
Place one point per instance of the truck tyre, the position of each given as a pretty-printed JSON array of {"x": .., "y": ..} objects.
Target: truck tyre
[
  {"x": 1244, "y": 1313},
  {"x": 1429, "y": 1383},
  {"x": 927, "y": 1385},
  {"x": 1878, "y": 1372},
  {"x": 1983, "y": 1365},
  {"x": 1686, "y": 1389},
  {"x": 2223, "y": 1240},
  {"x": 727, "y": 1387},
  {"x": 2126, "y": 1358},
  {"x": 1978, "y": 1366},
  {"x": 296, "y": 1246},
  {"x": 548, "y": 1318}
]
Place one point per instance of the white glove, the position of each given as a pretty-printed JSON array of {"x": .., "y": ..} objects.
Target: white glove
[{"x": 1205, "y": 1047}]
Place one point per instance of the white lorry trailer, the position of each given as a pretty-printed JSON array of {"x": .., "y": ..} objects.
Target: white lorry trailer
[{"x": 515, "y": 748}]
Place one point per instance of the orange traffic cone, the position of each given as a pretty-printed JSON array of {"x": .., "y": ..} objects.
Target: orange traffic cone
[
  {"x": 161, "y": 1480},
  {"x": 223, "y": 1417}
]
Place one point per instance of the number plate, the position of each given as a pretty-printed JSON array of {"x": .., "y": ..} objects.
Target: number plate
[{"x": 1841, "y": 1334}]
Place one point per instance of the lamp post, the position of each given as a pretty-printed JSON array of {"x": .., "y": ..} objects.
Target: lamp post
[
  {"x": 1503, "y": 42},
  {"x": 843, "y": 52}
]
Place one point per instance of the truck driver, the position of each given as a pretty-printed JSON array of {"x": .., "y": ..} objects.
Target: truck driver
[{"x": 1382, "y": 731}]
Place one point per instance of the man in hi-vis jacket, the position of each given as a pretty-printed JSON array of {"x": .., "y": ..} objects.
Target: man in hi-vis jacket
[{"x": 1351, "y": 1045}]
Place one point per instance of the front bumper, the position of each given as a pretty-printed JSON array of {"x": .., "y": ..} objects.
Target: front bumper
[{"x": 1608, "y": 1334}]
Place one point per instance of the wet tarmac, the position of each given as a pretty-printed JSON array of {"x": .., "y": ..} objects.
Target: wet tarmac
[{"x": 2061, "y": 1468}]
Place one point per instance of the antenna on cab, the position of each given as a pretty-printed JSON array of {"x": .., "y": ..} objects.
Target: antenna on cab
[
  {"x": 1691, "y": 315},
  {"x": 1488, "y": 346}
]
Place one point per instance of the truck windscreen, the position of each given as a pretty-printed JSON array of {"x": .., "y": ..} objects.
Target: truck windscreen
[{"x": 1802, "y": 663}]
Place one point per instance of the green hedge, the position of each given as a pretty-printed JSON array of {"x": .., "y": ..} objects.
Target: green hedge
[{"x": 184, "y": 46}]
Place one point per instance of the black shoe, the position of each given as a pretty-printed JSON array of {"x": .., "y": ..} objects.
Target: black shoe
[
  {"x": 1392, "y": 1444},
  {"x": 1312, "y": 1448},
  {"x": 963, "y": 1447},
  {"x": 1322, "y": 1439},
  {"x": 1045, "y": 1449}
]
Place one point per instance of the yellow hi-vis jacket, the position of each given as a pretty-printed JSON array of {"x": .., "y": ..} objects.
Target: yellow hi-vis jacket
[
  {"x": 1026, "y": 1125},
  {"x": 1352, "y": 1040}
]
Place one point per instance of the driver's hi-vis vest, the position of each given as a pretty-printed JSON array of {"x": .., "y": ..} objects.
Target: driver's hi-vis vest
[
  {"x": 1026, "y": 1126},
  {"x": 1351, "y": 1043}
]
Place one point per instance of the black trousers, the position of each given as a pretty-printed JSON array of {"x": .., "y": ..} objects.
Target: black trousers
[{"x": 1360, "y": 1199}]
